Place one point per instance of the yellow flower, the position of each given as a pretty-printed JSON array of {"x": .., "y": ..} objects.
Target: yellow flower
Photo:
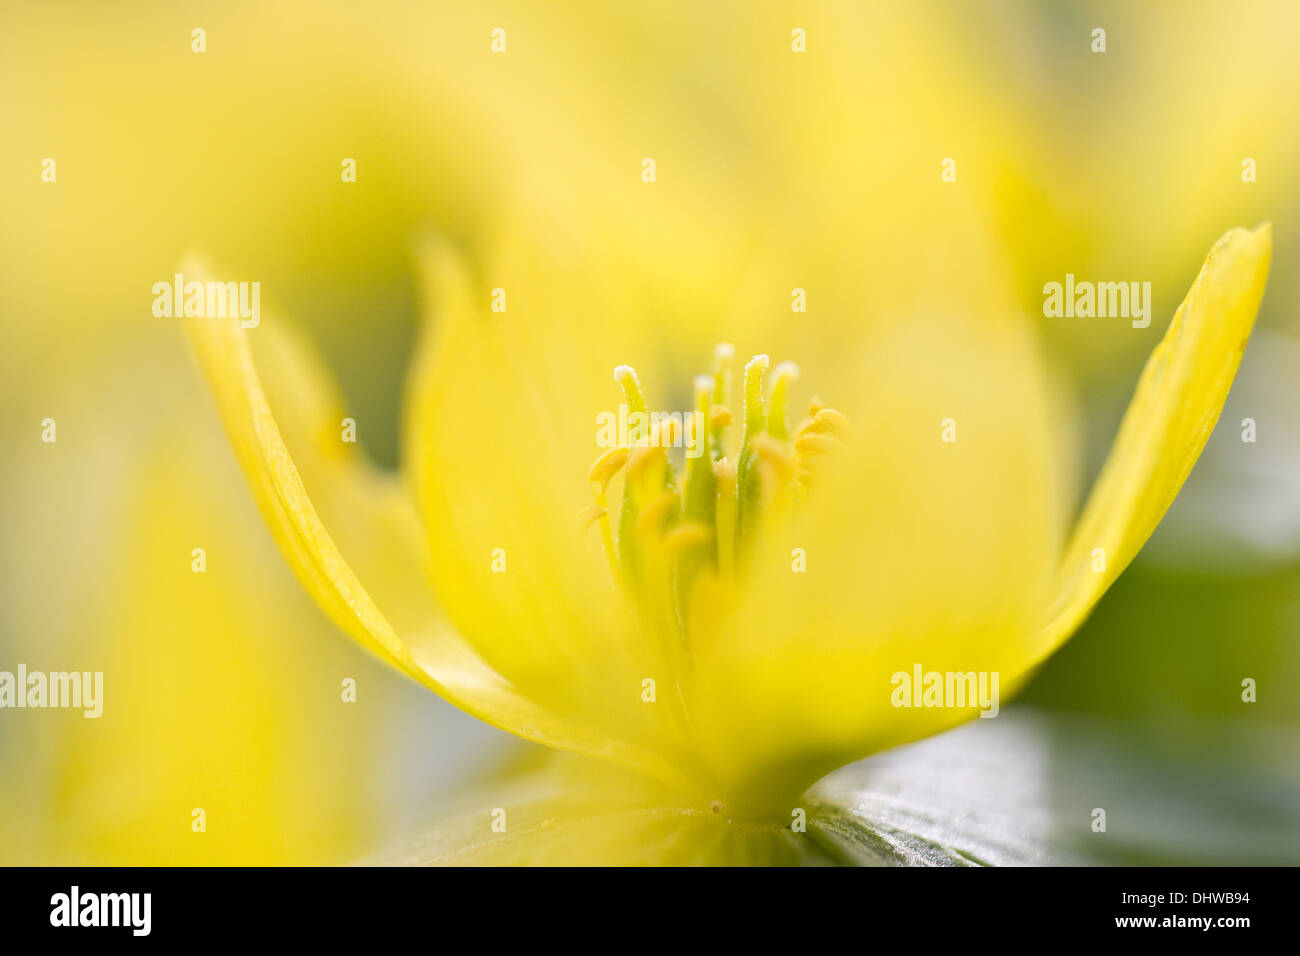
[
  {"x": 731, "y": 628},
  {"x": 214, "y": 746}
]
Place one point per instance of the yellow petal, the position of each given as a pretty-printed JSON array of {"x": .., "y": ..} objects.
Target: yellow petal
[
  {"x": 369, "y": 518},
  {"x": 1173, "y": 411},
  {"x": 501, "y": 427},
  {"x": 914, "y": 549}
]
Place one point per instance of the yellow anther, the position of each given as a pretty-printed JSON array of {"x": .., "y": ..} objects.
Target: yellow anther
[
  {"x": 811, "y": 441},
  {"x": 773, "y": 452},
  {"x": 687, "y": 535},
  {"x": 654, "y": 514},
  {"x": 641, "y": 458},
  {"x": 608, "y": 464},
  {"x": 815, "y": 405},
  {"x": 591, "y": 514},
  {"x": 806, "y": 426},
  {"x": 833, "y": 421},
  {"x": 725, "y": 472},
  {"x": 720, "y": 416},
  {"x": 816, "y": 439}
]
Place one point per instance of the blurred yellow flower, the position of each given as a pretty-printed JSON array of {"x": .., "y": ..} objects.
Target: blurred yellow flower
[
  {"x": 932, "y": 537},
  {"x": 222, "y": 738},
  {"x": 776, "y": 169}
]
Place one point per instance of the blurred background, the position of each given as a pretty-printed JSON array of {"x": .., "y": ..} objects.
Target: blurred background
[{"x": 775, "y": 169}]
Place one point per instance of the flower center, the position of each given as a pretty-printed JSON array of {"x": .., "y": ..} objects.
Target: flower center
[{"x": 678, "y": 532}]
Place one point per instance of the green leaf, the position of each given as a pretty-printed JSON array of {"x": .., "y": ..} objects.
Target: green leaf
[
  {"x": 567, "y": 830},
  {"x": 1020, "y": 789}
]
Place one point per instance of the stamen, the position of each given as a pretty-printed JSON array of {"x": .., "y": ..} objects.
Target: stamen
[
  {"x": 782, "y": 376},
  {"x": 755, "y": 413},
  {"x": 755, "y": 424},
  {"x": 591, "y": 514},
  {"x": 690, "y": 545},
  {"x": 833, "y": 420},
  {"x": 642, "y": 460},
  {"x": 701, "y": 487},
  {"x": 602, "y": 470},
  {"x": 607, "y": 465},
  {"x": 811, "y": 441},
  {"x": 654, "y": 514},
  {"x": 776, "y": 452},
  {"x": 685, "y": 537},
  {"x": 675, "y": 548},
  {"x": 723, "y": 355},
  {"x": 815, "y": 440},
  {"x": 725, "y": 473},
  {"x": 776, "y": 469},
  {"x": 664, "y": 433},
  {"x": 625, "y": 375}
]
